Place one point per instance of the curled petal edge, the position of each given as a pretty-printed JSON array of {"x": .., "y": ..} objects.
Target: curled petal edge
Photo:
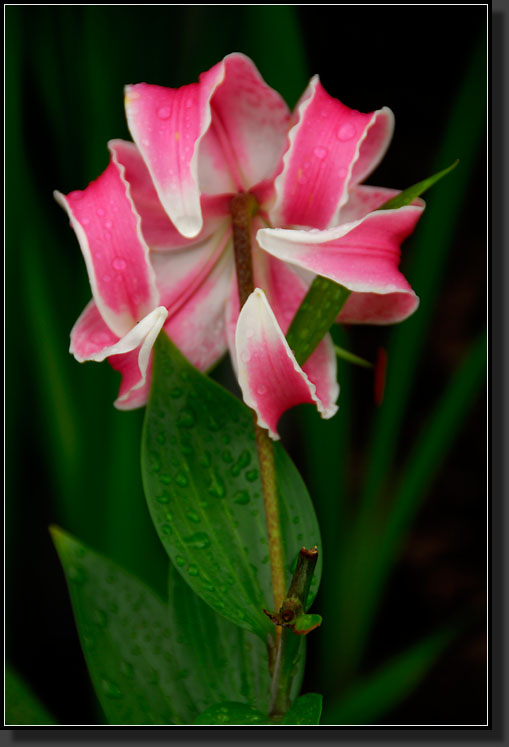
[
  {"x": 142, "y": 336},
  {"x": 278, "y": 382}
]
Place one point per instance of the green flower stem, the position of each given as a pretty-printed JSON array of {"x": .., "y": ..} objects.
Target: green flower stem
[
  {"x": 242, "y": 208},
  {"x": 294, "y": 604}
]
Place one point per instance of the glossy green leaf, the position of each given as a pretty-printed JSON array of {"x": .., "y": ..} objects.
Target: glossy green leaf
[
  {"x": 374, "y": 696},
  {"x": 222, "y": 661},
  {"x": 22, "y": 707},
  {"x": 305, "y": 711},
  {"x": 202, "y": 483},
  {"x": 304, "y": 624},
  {"x": 231, "y": 714},
  {"x": 126, "y": 638}
]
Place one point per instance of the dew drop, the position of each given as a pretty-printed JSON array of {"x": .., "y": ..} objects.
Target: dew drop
[
  {"x": 216, "y": 487},
  {"x": 101, "y": 618},
  {"x": 110, "y": 688},
  {"x": 77, "y": 575},
  {"x": 107, "y": 278},
  {"x": 241, "y": 497},
  {"x": 155, "y": 463},
  {"x": 163, "y": 498},
  {"x": 346, "y": 132},
  {"x": 261, "y": 389},
  {"x": 165, "y": 529},
  {"x": 342, "y": 173},
  {"x": 127, "y": 669},
  {"x": 192, "y": 570},
  {"x": 165, "y": 479},
  {"x": 251, "y": 475},
  {"x": 100, "y": 211},
  {"x": 296, "y": 519},
  {"x": 181, "y": 480},
  {"x": 119, "y": 263},
  {"x": 108, "y": 224},
  {"x": 320, "y": 152},
  {"x": 85, "y": 221},
  {"x": 193, "y": 516},
  {"x": 189, "y": 103},
  {"x": 245, "y": 356},
  {"x": 168, "y": 516},
  {"x": 205, "y": 460},
  {"x": 179, "y": 560},
  {"x": 176, "y": 392},
  {"x": 227, "y": 456},
  {"x": 186, "y": 419},
  {"x": 200, "y": 540},
  {"x": 164, "y": 112}
]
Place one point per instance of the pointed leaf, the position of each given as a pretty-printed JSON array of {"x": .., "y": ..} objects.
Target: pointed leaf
[
  {"x": 304, "y": 624},
  {"x": 346, "y": 355},
  {"x": 305, "y": 711},
  {"x": 369, "y": 700},
  {"x": 231, "y": 714},
  {"x": 127, "y": 641},
  {"x": 408, "y": 195},
  {"x": 22, "y": 707},
  {"x": 203, "y": 488}
]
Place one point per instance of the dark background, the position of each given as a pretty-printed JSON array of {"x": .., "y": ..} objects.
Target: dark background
[{"x": 72, "y": 459}]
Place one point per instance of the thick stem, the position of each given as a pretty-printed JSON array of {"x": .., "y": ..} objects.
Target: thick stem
[{"x": 242, "y": 208}]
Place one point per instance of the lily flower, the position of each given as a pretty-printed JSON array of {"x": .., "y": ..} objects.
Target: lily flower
[{"x": 155, "y": 231}]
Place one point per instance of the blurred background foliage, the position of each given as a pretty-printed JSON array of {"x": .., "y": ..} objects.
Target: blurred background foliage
[{"x": 399, "y": 490}]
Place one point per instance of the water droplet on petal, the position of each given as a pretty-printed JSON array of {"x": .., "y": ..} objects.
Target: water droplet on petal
[
  {"x": 119, "y": 263},
  {"x": 342, "y": 173},
  {"x": 346, "y": 132},
  {"x": 107, "y": 278},
  {"x": 320, "y": 152},
  {"x": 100, "y": 211},
  {"x": 108, "y": 224},
  {"x": 245, "y": 356},
  {"x": 85, "y": 221},
  {"x": 261, "y": 389},
  {"x": 164, "y": 112}
]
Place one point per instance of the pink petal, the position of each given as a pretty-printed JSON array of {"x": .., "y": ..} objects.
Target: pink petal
[
  {"x": 196, "y": 323},
  {"x": 285, "y": 290},
  {"x": 116, "y": 255},
  {"x": 331, "y": 146},
  {"x": 248, "y": 129},
  {"x": 363, "y": 256},
  {"x": 158, "y": 231},
  {"x": 269, "y": 376},
  {"x": 167, "y": 125},
  {"x": 91, "y": 340},
  {"x": 135, "y": 385}
]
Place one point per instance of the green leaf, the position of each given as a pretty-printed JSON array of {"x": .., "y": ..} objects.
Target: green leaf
[
  {"x": 305, "y": 711},
  {"x": 372, "y": 697},
  {"x": 203, "y": 488},
  {"x": 304, "y": 624},
  {"x": 223, "y": 662},
  {"x": 408, "y": 195},
  {"x": 127, "y": 641},
  {"x": 346, "y": 355},
  {"x": 22, "y": 707},
  {"x": 231, "y": 714}
]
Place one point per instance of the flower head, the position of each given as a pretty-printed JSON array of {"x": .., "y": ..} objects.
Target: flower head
[{"x": 155, "y": 231}]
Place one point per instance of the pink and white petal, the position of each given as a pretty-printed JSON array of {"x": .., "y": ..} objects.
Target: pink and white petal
[
  {"x": 330, "y": 147},
  {"x": 197, "y": 325},
  {"x": 135, "y": 385},
  {"x": 269, "y": 376},
  {"x": 285, "y": 291},
  {"x": 167, "y": 125},
  {"x": 159, "y": 232},
  {"x": 376, "y": 308},
  {"x": 363, "y": 199},
  {"x": 116, "y": 255},
  {"x": 248, "y": 128},
  {"x": 363, "y": 255},
  {"x": 90, "y": 334},
  {"x": 91, "y": 340},
  {"x": 179, "y": 274}
]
